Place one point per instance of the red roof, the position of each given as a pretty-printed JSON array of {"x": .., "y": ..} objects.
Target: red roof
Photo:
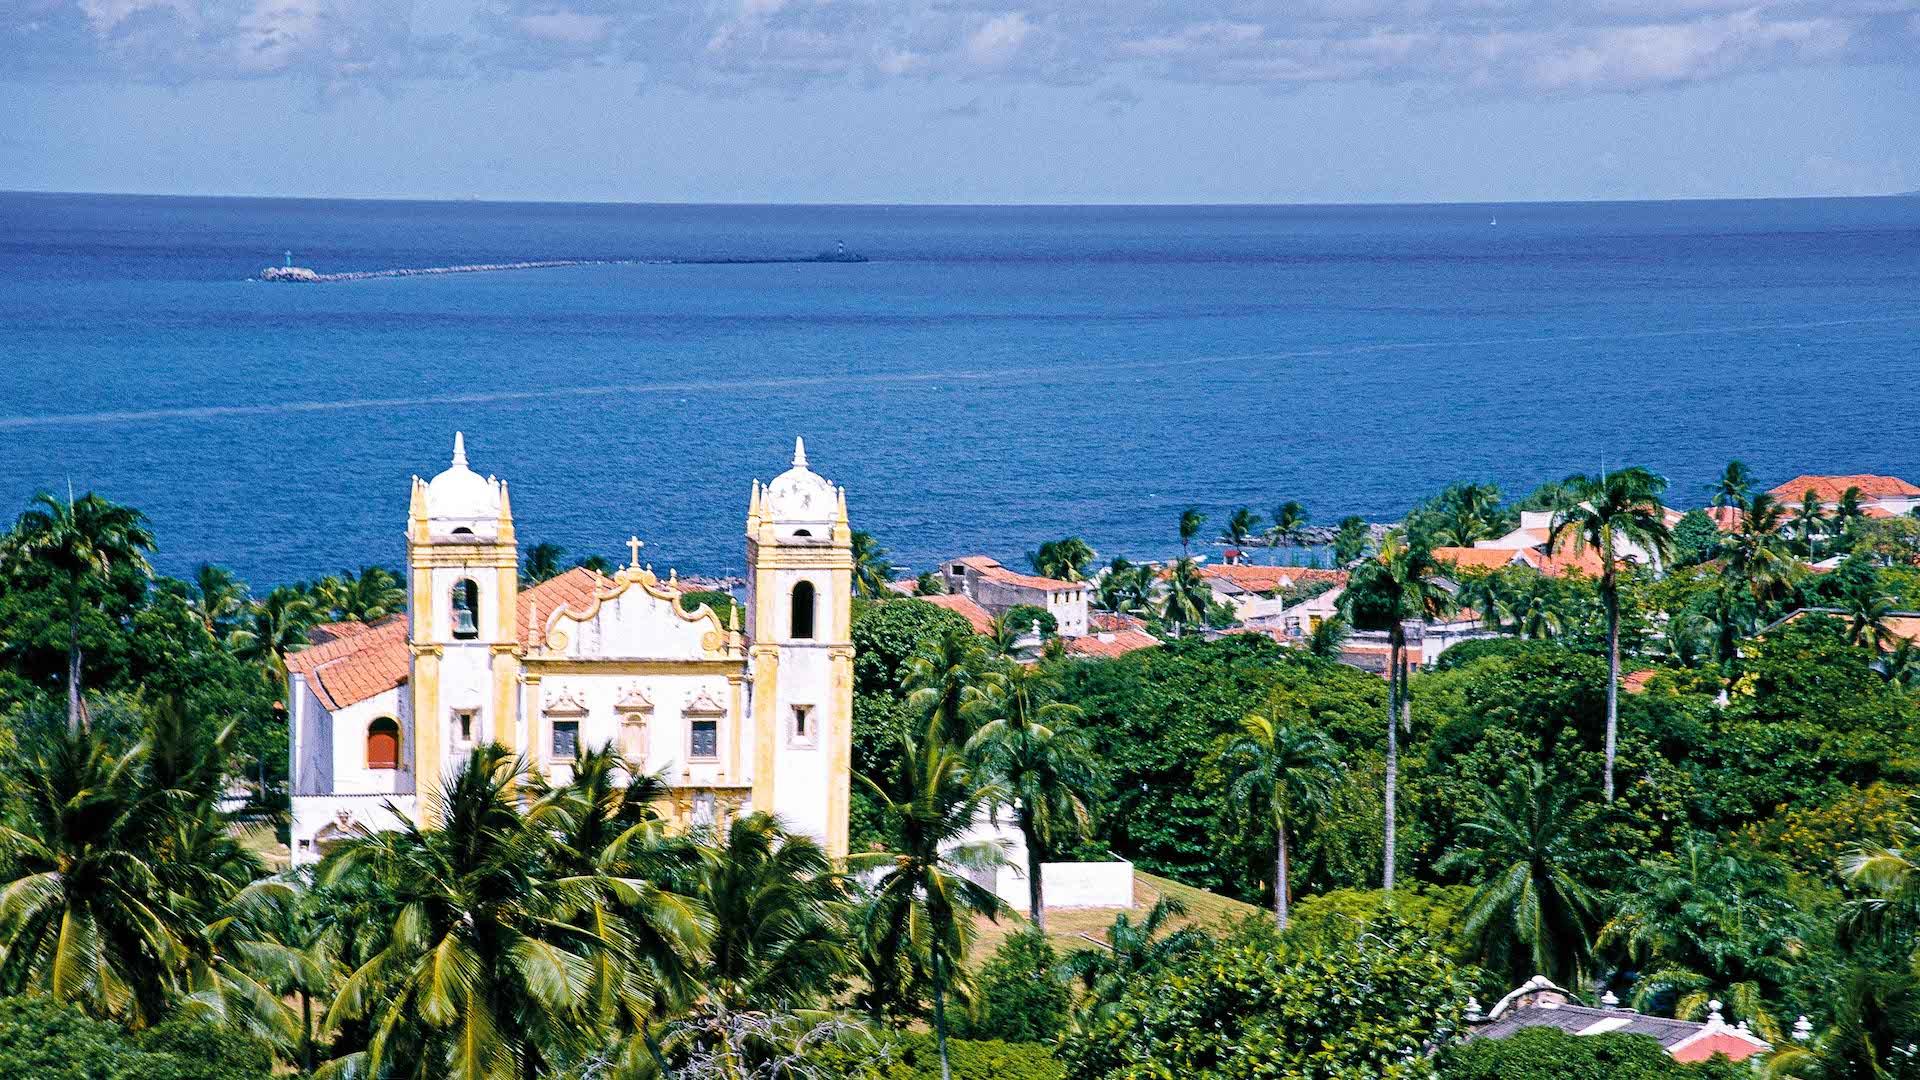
[
  {"x": 1473, "y": 558},
  {"x": 1828, "y": 489},
  {"x": 991, "y": 568},
  {"x": 978, "y": 617},
  {"x": 1269, "y": 578},
  {"x": 1107, "y": 644},
  {"x": 1635, "y": 682},
  {"x": 1726, "y": 518},
  {"x": 351, "y": 667}
]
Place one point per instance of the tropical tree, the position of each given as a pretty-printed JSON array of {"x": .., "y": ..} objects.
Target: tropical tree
[
  {"x": 1329, "y": 638},
  {"x": 1537, "y": 608},
  {"x": 1350, "y": 540},
  {"x": 1533, "y": 913},
  {"x": 1065, "y": 559},
  {"x": 1191, "y": 522},
  {"x": 1705, "y": 923},
  {"x": 1402, "y": 583},
  {"x": 1125, "y": 588},
  {"x": 1242, "y": 524},
  {"x": 1289, "y": 526},
  {"x": 872, "y": 573},
  {"x": 1849, "y": 511},
  {"x": 1042, "y": 768},
  {"x": 1867, "y": 609},
  {"x": 1284, "y": 771},
  {"x": 274, "y": 626},
  {"x": 1186, "y": 596},
  {"x": 1809, "y": 523},
  {"x": 777, "y": 905},
  {"x": 542, "y": 562},
  {"x": 923, "y": 898},
  {"x": 1621, "y": 507},
  {"x": 84, "y": 916},
  {"x": 1132, "y": 950},
  {"x": 486, "y": 973},
  {"x": 1758, "y": 564},
  {"x": 947, "y": 677},
  {"x": 1734, "y": 486},
  {"x": 1486, "y": 592},
  {"x": 75, "y": 546},
  {"x": 217, "y": 597},
  {"x": 1469, "y": 512}
]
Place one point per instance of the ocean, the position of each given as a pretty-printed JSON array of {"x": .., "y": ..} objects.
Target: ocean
[{"x": 992, "y": 377}]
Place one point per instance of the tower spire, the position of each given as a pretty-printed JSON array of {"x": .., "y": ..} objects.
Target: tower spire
[
  {"x": 459, "y": 449},
  {"x": 799, "y": 452}
]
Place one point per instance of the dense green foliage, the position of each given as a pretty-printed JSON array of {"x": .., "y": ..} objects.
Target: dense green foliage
[
  {"x": 42, "y": 1040},
  {"x": 1552, "y": 1054},
  {"x": 1017, "y": 997}
]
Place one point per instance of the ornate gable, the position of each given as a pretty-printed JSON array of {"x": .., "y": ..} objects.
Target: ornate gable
[{"x": 638, "y": 616}]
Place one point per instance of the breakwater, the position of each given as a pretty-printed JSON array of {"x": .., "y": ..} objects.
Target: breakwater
[{"x": 307, "y": 275}]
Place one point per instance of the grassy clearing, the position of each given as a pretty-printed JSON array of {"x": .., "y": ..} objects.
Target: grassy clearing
[{"x": 1076, "y": 928}]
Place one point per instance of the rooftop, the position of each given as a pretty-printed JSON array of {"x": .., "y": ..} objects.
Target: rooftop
[
  {"x": 964, "y": 606},
  {"x": 1828, "y": 489},
  {"x": 991, "y": 569},
  {"x": 1269, "y": 578}
]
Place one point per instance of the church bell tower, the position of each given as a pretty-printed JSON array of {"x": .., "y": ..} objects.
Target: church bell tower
[
  {"x": 800, "y": 600},
  {"x": 462, "y": 595}
]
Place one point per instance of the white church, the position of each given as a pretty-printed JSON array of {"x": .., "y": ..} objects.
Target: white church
[{"x": 737, "y": 718}]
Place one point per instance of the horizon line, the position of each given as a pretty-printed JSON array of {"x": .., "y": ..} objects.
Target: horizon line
[{"x": 954, "y": 205}]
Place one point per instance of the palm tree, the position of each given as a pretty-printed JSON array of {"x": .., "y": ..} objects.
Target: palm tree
[
  {"x": 1758, "y": 563},
  {"x": 76, "y": 546},
  {"x": 1131, "y": 950},
  {"x": 1126, "y": 588},
  {"x": 1734, "y": 485},
  {"x": 1191, "y": 522},
  {"x": 1329, "y": 638},
  {"x": 1241, "y": 525},
  {"x": 1809, "y": 522},
  {"x": 1382, "y": 594},
  {"x": 84, "y": 915},
  {"x": 1611, "y": 509},
  {"x": 217, "y": 597},
  {"x": 777, "y": 905},
  {"x": 1849, "y": 511},
  {"x": 1286, "y": 769},
  {"x": 542, "y": 563},
  {"x": 1350, "y": 542},
  {"x": 1704, "y": 924},
  {"x": 1471, "y": 512},
  {"x": 1064, "y": 560},
  {"x": 923, "y": 898},
  {"x": 1888, "y": 883},
  {"x": 1532, "y": 912},
  {"x": 947, "y": 678},
  {"x": 274, "y": 626},
  {"x": 1867, "y": 610},
  {"x": 1900, "y": 665},
  {"x": 485, "y": 973},
  {"x": 372, "y": 594},
  {"x": 1289, "y": 521},
  {"x": 1045, "y": 771},
  {"x": 1187, "y": 596},
  {"x": 1486, "y": 592},
  {"x": 1536, "y": 610},
  {"x": 872, "y": 573}
]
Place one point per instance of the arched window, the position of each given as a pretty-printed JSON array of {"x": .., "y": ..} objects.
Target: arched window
[
  {"x": 808, "y": 533},
  {"x": 383, "y": 744},
  {"x": 466, "y": 609},
  {"x": 803, "y": 610}
]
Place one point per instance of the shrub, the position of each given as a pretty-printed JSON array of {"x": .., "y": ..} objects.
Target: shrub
[
  {"x": 1017, "y": 997},
  {"x": 44, "y": 1040},
  {"x": 1021, "y": 618},
  {"x": 914, "y": 1057},
  {"x": 1552, "y": 1054}
]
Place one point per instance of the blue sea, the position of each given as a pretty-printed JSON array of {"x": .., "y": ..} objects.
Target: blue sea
[{"x": 991, "y": 378}]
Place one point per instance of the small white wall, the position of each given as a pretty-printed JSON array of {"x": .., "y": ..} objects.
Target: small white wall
[
  {"x": 312, "y": 813},
  {"x": 1071, "y": 885}
]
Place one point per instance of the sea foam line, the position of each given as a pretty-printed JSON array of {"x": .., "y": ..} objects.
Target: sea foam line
[{"x": 209, "y": 412}]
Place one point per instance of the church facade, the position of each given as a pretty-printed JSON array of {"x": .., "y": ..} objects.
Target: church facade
[{"x": 737, "y": 716}]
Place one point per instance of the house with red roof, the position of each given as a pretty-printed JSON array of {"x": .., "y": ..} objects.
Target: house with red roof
[
  {"x": 1888, "y": 494},
  {"x": 998, "y": 589},
  {"x": 1538, "y": 1003}
]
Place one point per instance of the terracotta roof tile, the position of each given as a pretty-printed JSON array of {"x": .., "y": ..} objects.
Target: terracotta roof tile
[
  {"x": 991, "y": 568},
  {"x": 1726, "y": 518},
  {"x": 361, "y": 664},
  {"x": 1828, "y": 489},
  {"x": 1108, "y": 644},
  {"x": 1270, "y": 578},
  {"x": 573, "y": 589},
  {"x": 964, "y": 606}
]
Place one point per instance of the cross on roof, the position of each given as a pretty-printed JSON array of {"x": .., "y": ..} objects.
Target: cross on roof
[{"x": 634, "y": 544}]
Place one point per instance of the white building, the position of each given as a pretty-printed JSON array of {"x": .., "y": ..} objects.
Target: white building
[
  {"x": 736, "y": 718},
  {"x": 998, "y": 589}
]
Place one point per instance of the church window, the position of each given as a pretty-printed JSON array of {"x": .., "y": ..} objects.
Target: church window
[
  {"x": 383, "y": 744},
  {"x": 463, "y": 727},
  {"x": 566, "y": 739},
  {"x": 463, "y": 531},
  {"x": 803, "y": 610},
  {"x": 704, "y": 739},
  {"x": 466, "y": 609},
  {"x": 803, "y": 532},
  {"x": 803, "y": 733}
]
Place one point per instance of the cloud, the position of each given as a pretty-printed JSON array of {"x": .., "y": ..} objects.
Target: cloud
[{"x": 1490, "y": 47}]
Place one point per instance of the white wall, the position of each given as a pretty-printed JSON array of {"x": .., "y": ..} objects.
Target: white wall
[{"x": 1071, "y": 885}]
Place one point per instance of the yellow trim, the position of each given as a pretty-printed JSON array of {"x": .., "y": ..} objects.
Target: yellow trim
[
  {"x": 562, "y": 665},
  {"x": 733, "y": 729},
  {"x": 840, "y": 779},
  {"x": 427, "y": 723},
  {"x": 766, "y": 680}
]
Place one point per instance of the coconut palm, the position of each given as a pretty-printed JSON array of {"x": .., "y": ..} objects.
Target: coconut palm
[
  {"x": 217, "y": 597},
  {"x": 1532, "y": 912},
  {"x": 75, "y": 546},
  {"x": 1703, "y": 924},
  {"x": 1242, "y": 524},
  {"x": 872, "y": 573},
  {"x": 1487, "y": 593},
  {"x": 1064, "y": 560},
  {"x": 1809, "y": 524},
  {"x": 1900, "y": 665},
  {"x": 923, "y": 897},
  {"x": 777, "y": 905},
  {"x": 1289, "y": 525},
  {"x": 1536, "y": 608},
  {"x": 272, "y": 627},
  {"x": 1191, "y": 522},
  {"x": 84, "y": 915},
  {"x": 1758, "y": 562},
  {"x": 485, "y": 973},
  {"x": 1469, "y": 512},
  {"x": 1186, "y": 596},
  {"x": 1866, "y": 610},
  {"x": 1609, "y": 510},
  {"x": 1350, "y": 542},
  {"x": 1734, "y": 485},
  {"x": 542, "y": 562},
  {"x": 1402, "y": 583},
  {"x": 1131, "y": 950},
  {"x": 1848, "y": 511},
  {"x": 1329, "y": 637},
  {"x": 947, "y": 678},
  {"x": 1044, "y": 770},
  {"x": 1282, "y": 770},
  {"x": 1126, "y": 588}
]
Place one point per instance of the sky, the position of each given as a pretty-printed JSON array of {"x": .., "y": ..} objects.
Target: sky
[{"x": 963, "y": 101}]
